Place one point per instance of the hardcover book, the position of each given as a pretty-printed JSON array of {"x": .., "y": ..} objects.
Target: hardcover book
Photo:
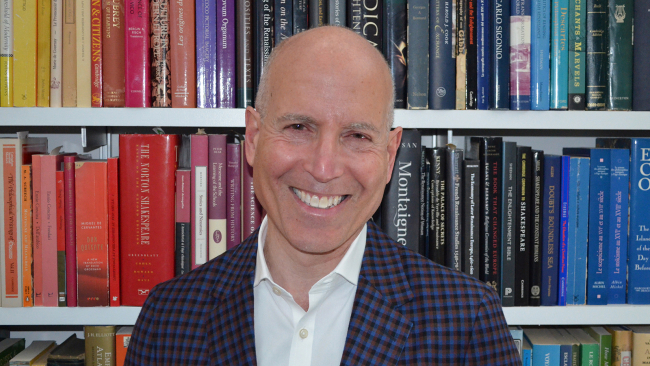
[
  {"x": 618, "y": 224},
  {"x": 84, "y": 68},
  {"x": 60, "y": 238},
  {"x": 9, "y": 348},
  {"x": 283, "y": 19},
  {"x": 114, "y": 232},
  {"x": 471, "y": 60},
  {"x": 461, "y": 53},
  {"x": 100, "y": 345},
  {"x": 161, "y": 89},
  {"x": 577, "y": 56},
  {"x": 362, "y": 16},
  {"x": 641, "y": 71},
  {"x": 638, "y": 250},
  {"x": 69, "y": 67},
  {"x": 483, "y": 54},
  {"x": 44, "y": 27},
  {"x": 251, "y": 207},
  {"x": 564, "y": 230},
  {"x": 589, "y": 347},
  {"x": 206, "y": 54},
  {"x": 183, "y": 226},
  {"x": 499, "y": 55},
  {"x": 620, "y": 68},
  {"x": 70, "y": 230},
  {"x": 640, "y": 345},
  {"x": 233, "y": 194},
  {"x": 454, "y": 245},
  {"x": 522, "y": 224},
  {"x": 336, "y": 14},
  {"x": 604, "y": 339},
  {"x": 559, "y": 54},
  {"x": 471, "y": 255},
  {"x": 56, "y": 54},
  {"x": 438, "y": 190},
  {"x": 96, "y": 56},
  {"x": 225, "y": 49},
  {"x": 395, "y": 46},
  {"x": 136, "y": 55},
  {"x": 536, "y": 229},
  {"x": 244, "y": 49},
  {"x": 417, "y": 83},
  {"x": 199, "y": 199},
  {"x": 442, "y": 63},
  {"x": 318, "y": 13},
  {"x": 71, "y": 352},
  {"x": 37, "y": 235},
  {"x": 551, "y": 228},
  {"x": 30, "y": 354},
  {"x": 621, "y": 345},
  {"x": 7, "y": 53},
  {"x": 217, "y": 203},
  {"x": 24, "y": 53},
  {"x": 182, "y": 48},
  {"x": 597, "y": 54},
  {"x": 509, "y": 190},
  {"x": 540, "y": 34},
  {"x": 520, "y": 49},
  {"x": 113, "y": 53},
  {"x": 300, "y": 16},
  {"x": 122, "y": 339},
  {"x": 577, "y": 242},
  {"x": 262, "y": 38}
]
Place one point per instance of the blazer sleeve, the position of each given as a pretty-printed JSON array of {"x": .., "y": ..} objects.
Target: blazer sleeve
[
  {"x": 143, "y": 349},
  {"x": 491, "y": 342}
]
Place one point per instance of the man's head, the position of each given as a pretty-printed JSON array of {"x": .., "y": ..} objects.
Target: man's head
[{"x": 319, "y": 141}]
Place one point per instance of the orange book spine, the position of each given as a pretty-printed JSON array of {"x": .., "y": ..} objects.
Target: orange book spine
[
  {"x": 96, "y": 53},
  {"x": 122, "y": 339},
  {"x": 11, "y": 291},
  {"x": 26, "y": 196},
  {"x": 114, "y": 232},
  {"x": 36, "y": 223},
  {"x": 60, "y": 236}
]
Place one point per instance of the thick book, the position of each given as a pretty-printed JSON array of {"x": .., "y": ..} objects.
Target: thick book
[
  {"x": 640, "y": 345},
  {"x": 27, "y": 244},
  {"x": 559, "y": 55},
  {"x": 161, "y": 89},
  {"x": 225, "y": 50},
  {"x": 96, "y": 55},
  {"x": 7, "y": 54},
  {"x": 301, "y": 15},
  {"x": 217, "y": 204},
  {"x": 183, "y": 226},
  {"x": 540, "y": 34},
  {"x": 283, "y": 19},
  {"x": 599, "y": 207},
  {"x": 604, "y": 339},
  {"x": 251, "y": 208},
  {"x": 136, "y": 55},
  {"x": 618, "y": 225},
  {"x": 509, "y": 188},
  {"x": 233, "y": 194},
  {"x": 60, "y": 239},
  {"x": 199, "y": 199},
  {"x": 564, "y": 231},
  {"x": 114, "y": 231},
  {"x": 438, "y": 190},
  {"x": 417, "y": 84},
  {"x": 71, "y": 352},
  {"x": 43, "y": 53},
  {"x": 621, "y": 345},
  {"x": 638, "y": 250},
  {"x": 569, "y": 347},
  {"x": 56, "y": 54},
  {"x": 550, "y": 228},
  {"x": 262, "y": 39},
  {"x": 146, "y": 255},
  {"x": 91, "y": 201},
  {"x": 471, "y": 60},
  {"x": 471, "y": 255},
  {"x": 499, "y": 54},
  {"x": 361, "y": 18},
  {"x": 182, "y": 49},
  {"x": 577, "y": 56},
  {"x": 578, "y": 224},
  {"x": 596, "y": 55},
  {"x": 461, "y": 53},
  {"x": 336, "y": 14},
  {"x": 9, "y": 348},
  {"x": 84, "y": 68},
  {"x": 442, "y": 63},
  {"x": 537, "y": 210},
  {"x": 122, "y": 339},
  {"x": 546, "y": 346},
  {"x": 206, "y": 54},
  {"x": 483, "y": 54},
  {"x": 395, "y": 45},
  {"x": 589, "y": 347},
  {"x": 113, "y": 53},
  {"x": 244, "y": 50},
  {"x": 32, "y": 353},
  {"x": 520, "y": 49},
  {"x": 318, "y": 13},
  {"x": 454, "y": 177},
  {"x": 70, "y": 230},
  {"x": 400, "y": 205},
  {"x": 641, "y": 71},
  {"x": 100, "y": 345},
  {"x": 69, "y": 65},
  {"x": 25, "y": 53},
  {"x": 523, "y": 225},
  {"x": 620, "y": 68}
]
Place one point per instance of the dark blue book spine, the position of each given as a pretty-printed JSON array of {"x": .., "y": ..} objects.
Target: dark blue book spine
[
  {"x": 617, "y": 257},
  {"x": 206, "y": 54},
  {"x": 318, "y": 13},
  {"x": 540, "y": 44},
  {"x": 442, "y": 63},
  {"x": 395, "y": 46},
  {"x": 283, "y": 22},
  {"x": 599, "y": 196},
  {"x": 417, "y": 84},
  {"x": 364, "y": 18},
  {"x": 578, "y": 232},
  {"x": 564, "y": 230},
  {"x": 639, "y": 249},
  {"x": 300, "y": 16},
  {"x": 508, "y": 200},
  {"x": 500, "y": 55},
  {"x": 262, "y": 38},
  {"x": 550, "y": 228},
  {"x": 641, "y": 80},
  {"x": 483, "y": 45}
]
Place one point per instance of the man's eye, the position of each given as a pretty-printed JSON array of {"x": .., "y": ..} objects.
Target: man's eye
[
  {"x": 297, "y": 126},
  {"x": 359, "y": 136}
]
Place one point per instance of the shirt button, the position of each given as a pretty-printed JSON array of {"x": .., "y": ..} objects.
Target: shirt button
[
  {"x": 303, "y": 333},
  {"x": 276, "y": 291}
]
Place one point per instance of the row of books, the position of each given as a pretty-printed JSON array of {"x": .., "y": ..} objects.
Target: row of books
[
  {"x": 587, "y": 346},
  {"x": 541, "y": 229},
  {"x": 80, "y": 232},
  {"x": 101, "y": 346},
  {"x": 461, "y": 54}
]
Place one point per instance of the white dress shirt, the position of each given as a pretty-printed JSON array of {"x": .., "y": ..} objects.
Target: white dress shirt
[{"x": 287, "y": 335}]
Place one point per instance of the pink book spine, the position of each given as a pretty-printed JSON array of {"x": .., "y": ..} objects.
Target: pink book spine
[
  {"x": 38, "y": 248},
  {"x": 136, "y": 54},
  {"x": 217, "y": 219},
  {"x": 183, "y": 217},
  {"x": 49, "y": 165},
  {"x": 251, "y": 208},
  {"x": 113, "y": 233},
  {"x": 70, "y": 231},
  {"x": 199, "y": 199},
  {"x": 233, "y": 175}
]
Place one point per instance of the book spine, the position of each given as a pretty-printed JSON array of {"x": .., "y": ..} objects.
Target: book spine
[
  {"x": 182, "y": 50},
  {"x": 44, "y": 33},
  {"x": 640, "y": 348},
  {"x": 471, "y": 217},
  {"x": 56, "y": 53},
  {"x": 499, "y": 64},
  {"x": 251, "y": 208},
  {"x": 483, "y": 47},
  {"x": 6, "y": 53},
  {"x": 226, "y": 54},
  {"x": 577, "y": 65},
  {"x": 336, "y": 12},
  {"x": 84, "y": 63},
  {"x": 572, "y": 223},
  {"x": 491, "y": 202},
  {"x": 417, "y": 83},
  {"x": 540, "y": 19},
  {"x": 113, "y": 232},
  {"x": 92, "y": 233},
  {"x": 453, "y": 246},
  {"x": 437, "y": 232},
  {"x": 523, "y": 226},
  {"x": 425, "y": 204},
  {"x": 471, "y": 62},
  {"x": 597, "y": 53},
  {"x": 25, "y": 53},
  {"x": 206, "y": 56},
  {"x": 619, "y": 75},
  {"x": 618, "y": 219},
  {"x": 564, "y": 231},
  {"x": 100, "y": 345},
  {"x": 395, "y": 45},
  {"x": 442, "y": 66},
  {"x": 641, "y": 69},
  {"x": 233, "y": 176},
  {"x": 638, "y": 249},
  {"x": 183, "y": 260},
  {"x": 70, "y": 230},
  {"x": 283, "y": 19},
  {"x": 317, "y": 13},
  {"x": 401, "y": 222},
  {"x": 113, "y": 53},
  {"x": 301, "y": 16},
  {"x": 161, "y": 89},
  {"x": 262, "y": 38},
  {"x": 582, "y": 233},
  {"x": 560, "y": 54},
  {"x": 509, "y": 190},
  {"x": 520, "y": 55},
  {"x": 217, "y": 216},
  {"x": 69, "y": 66},
  {"x": 49, "y": 165},
  {"x": 60, "y": 238},
  {"x": 122, "y": 341},
  {"x": 621, "y": 346},
  {"x": 461, "y": 53},
  {"x": 199, "y": 200},
  {"x": 96, "y": 56},
  {"x": 365, "y": 18},
  {"x": 136, "y": 55},
  {"x": 37, "y": 218},
  {"x": 550, "y": 228},
  {"x": 536, "y": 228},
  {"x": 599, "y": 196},
  {"x": 11, "y": 250},
  {"x": 26, "y": 218},
  {"x": 244, "y": 51}
]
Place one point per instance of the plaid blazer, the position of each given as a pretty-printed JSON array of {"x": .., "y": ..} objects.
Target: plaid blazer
[{"x": 407, "y": 311}]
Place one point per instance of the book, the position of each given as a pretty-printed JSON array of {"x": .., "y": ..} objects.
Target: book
[
  {"x": 395, "y": 45},
  {"x": 199, "y": 199},
  {"x": 96, "y": 54},
  {"x": 100, "y": 345},
  {"x": 425, "y": 204},
  {"x": 9, "y": 348},
  {"x": 520, "y": 49},
  {"x": 161, "y": 88},
  {"x": 113, "y": 82},
  {"x": 136, "y": 55},
  {"x": 225, "y": 50},
  {"x": 618, "y": 224},
  {"x": 461, "y": 53},
  {"x": 206, "y": 55},
  {"x": 641, "y": 69},
  {"x": 25, "y": 53},
  {"x": 60, "y": 239},
  {"x": 183, "y": 225},
  {"x": 536, "y": 228},
  {"x": 335, "y": 12},
  {"x": 599, "y": 197},
  {"x": 361, "y": 18},
  {"x": 569, "y": 347},
  {"x": 559, "y": 82},
  {"x": 551, "y": 228},
  {"x": 640, "y": 345},
  {"x": 31, "y": 353},
  {"x": 596, "y": 54},
  {"x": 300, "y": 16},
  {"x": 317, "y": 13},
  {"x": 509, "y": 190},
  {"x": 244, "y": 50},
  {"x": 43, "y": 54},
  {"x": 589, "y": 348},
  {"x": 577, "y": 56},
  {"x": 283, "y": 18},
  {"x": 578, "y": 224},
  {"x": 27, "y": 245},
  {"x": 7, "y": 53},
  {"x": 233, "y": 194},
  {"x": 144, "y": 205},
  {"x": 71, "y": 352},
  {"x": 262, "y": 41},
  {"x": 621, "y": 345},
  {"x": 182, "y": 49},
  {"x": 483, "y": 54},
  {"x": 638, "y": 285},
  {"x": 442, "y": 65},
  {"x": 37, "y": 251},
  {"x": 604, "y": 339},
  {"x": 113, "y": 231},
  {"x": 471, "y": 258},
  {"x": 471, "y": 60},
  {"x": 84, "y": 65},
  {"x": 545, "y": 345},
  {"x": 69, "y": 66},
  {"x": 527, "y": 353},
  {"x": 619, "y": 39},
  {"x": 56, "y": 54},
  {"x": 217, "y": 201},
  {"x": 517, "y": 334},
  {"x": 438, "y": 190},
  {"x": 540, "y": 33},
  {"x": 417, "y": 84},
  {"x": 564, "y": 230},
  {"x": 499, "y": 55},
  {"x": 122, "y": 339},
  {"x": 70, "y": 230},
  {"x": 453, "y": 246},
  {"x": 522, "y": 224},
  {"x": 250, "y": 206}
]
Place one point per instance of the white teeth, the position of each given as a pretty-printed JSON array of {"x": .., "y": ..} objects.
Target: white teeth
[
  {"x": 329, "y": 201},
  {"x": 322, "y": 203},
  {"x": 315, "y": 201}
]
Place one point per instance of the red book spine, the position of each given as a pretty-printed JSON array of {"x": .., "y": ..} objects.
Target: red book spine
[
  {"x": 217, "y": 218},
  {"x": 251, "y": 208},
  {"x": 49, "y": 165},
  {"x": 11, "y": 290},
  {"x": 160, "y": 57},
  {"x": 28, "y": 245},
  {"x": 92, "y": 233},
  {"x": 114, "y": 232},
  {"x": 96, "y": 52},
  {"x": 199, "y": 199},
  {"x": 136, "y": 54},
  {"x": 113, "y": 53},
  {"x": 147, "y": 164},
  {"x": 60, "y": 236},
  {"x": 233, "y": 174},
  {"x": 182, "y": 48},
  {"x": 70, "y": 231},
  {"x": 38, "y": 249}
]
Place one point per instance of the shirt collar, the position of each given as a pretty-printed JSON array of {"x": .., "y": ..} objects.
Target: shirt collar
[{"x": 348, "y": 268}]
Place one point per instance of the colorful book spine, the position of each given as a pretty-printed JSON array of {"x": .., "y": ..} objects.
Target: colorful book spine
[
  {"x": 10, "y": 273},
  {"x": 483, "y": 47},
  {"x": 619, "y": 75},
  {"x": 96, "y": 56},
  {"x": 161, "y": 89},
  {"x": 113, "y": 53},
  {"x": 618, "y": 220},
  {"x": 546, "y": 348},
  {"x": 560, "y": 54},
  {"x": 100, "y": 345},
  {"x": 499, "y": 49},
  {"x": 50, "y": 164},
  {"x": 233, "y": 194},
  {"x": 25, "y": 53},
  {"x": 244, "y": 49},
  {"x": 540, "y": 34},
  {"x": 564, "y": 229},
  {"x": 641, "y": 70},
  {"x": 551, "y": 228},
  {"x": 136, "y": 55},
  {"x": 578, "y": 231},
  {"x": 183, "y": 53},
  {"x": 621, "y": 345},
  {"x": 217, "y": 203},
  {"x": 122, "y": 339},
  {"x": 283, "y": 19},
  {"x": 523, "y": 225},
  {"x": 394, "y": 45},
  {"x": 199, "y": 200},
  {"x": 183, "y": 229},
  {"x": 577, "y": 55},
  {"x": 537, "y": 181},
  {"x": 43, "y": 52},
  {"x": 604, "y": 339},
  {"x": 6, "y": 53},
  {"x": 56, "y": 53},
  {"x": 70, "y": 230},
  {"x": 471, "y": 61},
  {"x": 60, "y": 238},
  {"x": 597, "y": 54},
  {"x": 113, "y": 232},
  {"x": 417, "y": 83},
  {"x": 442, "y": 66},
  {"x": 638, "y": 250},
  {"x": 508, "y": 195},
  {"x": 69, "y": 67},
  {"x": 640, "y": 345},
  {"x": 599, "y": 201},
  {"x": 225, "y": 49},
  {"x": 461, "y": 53},
  {"x": 251, "y": 208},
  {"x": 37, "y": 219},
  {"x": 520, "y": 49},
  {"x": 26, "y": 218},
  {"x": 84, "y": 63}
]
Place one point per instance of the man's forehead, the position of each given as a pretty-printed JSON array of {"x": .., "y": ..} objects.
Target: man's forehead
[{"x": 305, "y": 119}]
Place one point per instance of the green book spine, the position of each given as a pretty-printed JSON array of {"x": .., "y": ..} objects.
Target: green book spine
[
  {"x": 589, "y": 354},
  {"x": 577, "y": 49},
  {"x": 619, "y": 82},
  {"x": 596, "y": 54},
  {"x": 604, "y": 339}
]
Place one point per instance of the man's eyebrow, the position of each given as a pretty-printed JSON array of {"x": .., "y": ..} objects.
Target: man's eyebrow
[
  {"x": 363, "y": 126},
  {"x": 294, "y": 117}
]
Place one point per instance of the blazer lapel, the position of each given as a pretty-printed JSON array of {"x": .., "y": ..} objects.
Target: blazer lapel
[{"x": 378, "y": 331}]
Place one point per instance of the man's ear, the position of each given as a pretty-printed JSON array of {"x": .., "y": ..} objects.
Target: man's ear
[
  {"x": 253, "y": 124},
  {"x": 394, "y": 139}
]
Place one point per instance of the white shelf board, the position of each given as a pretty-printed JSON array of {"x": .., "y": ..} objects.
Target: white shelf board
[
  {"x": 121, "y": 315},
  {"x": 199, "y": 117}
]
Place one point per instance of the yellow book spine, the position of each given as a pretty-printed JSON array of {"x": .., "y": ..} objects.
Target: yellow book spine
[
  {"x": 84, "y": 82},
  {"x": 6, "y": 53},
  {"x": 44, "y": 39},
  {"x": 25, "y": 46},
  {"x": 26, "y": 217}
]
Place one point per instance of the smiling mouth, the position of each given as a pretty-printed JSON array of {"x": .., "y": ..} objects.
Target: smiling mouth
[{"x": 324, "y": 202}]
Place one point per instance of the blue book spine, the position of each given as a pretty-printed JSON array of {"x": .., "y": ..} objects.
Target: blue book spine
[
  {"x": 527, "y": 357},
  {"x": 581, "y": 232},
  {"x": 572, "y": 224},
  {"x": 540, "y": 33},
  {"x": 550, "y": 228},
  {"x": 546, "y": 354},
  {"x": 565, "y": 355},
  {"x": 499, "y": 55},
  {"x": 206, "y": 54},
  {"x": 283, "y": 22},
  {"x": 442, "y": 62},
  {"x": 639, "y": 247},
  {"x": 564, "y": 230},
  {"x": 520, "y": 55},
  {"x": 559, "y": 55},
  {"x": 483, "y": 45},
  {"x": 617, "y": 259},
  {"x": 599, "y": 195}
]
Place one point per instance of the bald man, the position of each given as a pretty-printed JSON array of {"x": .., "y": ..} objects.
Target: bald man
[{"x": 319, "y": 284}]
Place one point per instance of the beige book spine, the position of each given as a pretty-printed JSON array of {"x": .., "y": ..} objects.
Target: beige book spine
[
  {"x": 84, "y": 77},
  {"x": 100, "y": 345},
  {"x": 69, "y": 65},
  {"x": 44, "y": 54},
  {"x": 56, "y": 53},
  {"x": 640, "y": 349}
]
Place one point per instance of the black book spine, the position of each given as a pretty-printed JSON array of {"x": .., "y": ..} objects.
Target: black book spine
[
  {"x": 453, "y": 254},
  {"x": 317, "y": 13},
  {"x": 523, "y": 226},
  {"x": 500, "y": 55},
  {"x": 183, "y": 258},
  {"x": 442, "y": 63},
  {"x": 508, "y": 199},
  {"x": 597, "y": 52},
  {"x": 536, "y": 228},
  {"x": 417, "y": 84},
  {"x": 471, "y": 173},
  {"x": 424, "y": 194},
  {"x": 336, "y": 12},
  {"x": 641, "y": 79},
  {"x": 366, "y": 19},
  {"x": 400, "y": 206},
  {"x": 437, "y": 228},
  {"x": 244, "y": 53},
  {"x": 472, "y": 57},
  {"x": 283, "y": 21},
  {"x": 300, "y": 16},
  {"x": 395, "y": 46},
  {"x": 263, "y": 38}
]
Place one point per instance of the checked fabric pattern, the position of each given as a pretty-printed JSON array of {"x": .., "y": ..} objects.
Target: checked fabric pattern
[{"x": 407, "y": 311}]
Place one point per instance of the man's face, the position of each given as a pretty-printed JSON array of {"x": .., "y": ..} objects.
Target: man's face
[{"x": 322, "y": 155}]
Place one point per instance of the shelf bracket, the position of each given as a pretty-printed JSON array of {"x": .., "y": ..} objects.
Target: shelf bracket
[{"x": 93, "y": 138}]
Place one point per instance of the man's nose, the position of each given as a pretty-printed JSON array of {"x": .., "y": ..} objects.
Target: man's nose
[{"x": 325, "y": 160}]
